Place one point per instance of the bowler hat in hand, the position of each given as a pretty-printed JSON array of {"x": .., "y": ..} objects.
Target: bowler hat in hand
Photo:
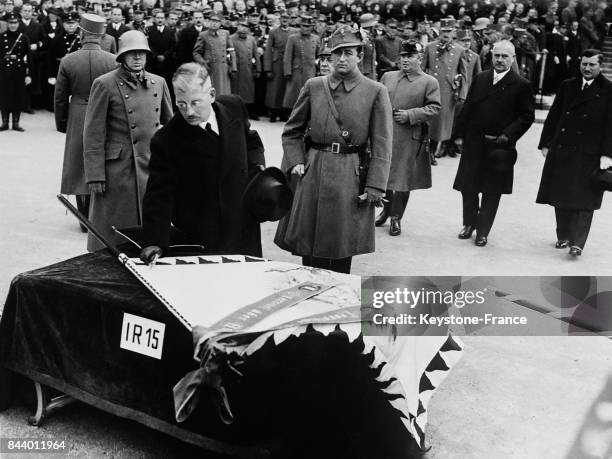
[
  {"x": 268, "y": 196},
  {"x": 603, "y": 179}
]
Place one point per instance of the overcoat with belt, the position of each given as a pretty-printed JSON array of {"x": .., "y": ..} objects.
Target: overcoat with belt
[
  {"x": 504, "y": 108},
  {"x": 444, "y": 64},
  {"x": 247, "y": 63},
  {"x": 77, "y": 72},
  {"x": 325, "y": 220},
  {"x": 577, "y": 131},
  {"x": 418, "y": 93},
  {"x": 122, "y": 116},
  {"x": 212, "y": 49},
  {"x": 299, "y": 64},
  {"x": 273, "y": 62},
  {"x": 178, "y": 191}
]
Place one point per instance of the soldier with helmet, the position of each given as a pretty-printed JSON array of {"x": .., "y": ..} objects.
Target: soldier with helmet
[
  {"x": 126, "y": 107},
  {"x": 344, "y": 171},
  {"x": 15, "y": 71},
  {"x": 77, "y": 72}
]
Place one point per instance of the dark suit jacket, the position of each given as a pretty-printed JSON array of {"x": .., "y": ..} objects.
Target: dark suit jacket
[
  {"x": 161, "y": 44},
  {"x": 110, "y": 30},
  {"x": 578, "y": 132},
  {"x": 505, "y": 108},
  {"x": 175, "y": 189},
  {"x": 186, "y": 41}
]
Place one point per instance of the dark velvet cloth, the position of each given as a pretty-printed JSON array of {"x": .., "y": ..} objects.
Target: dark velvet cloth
[{"x": 311, "y": 396}]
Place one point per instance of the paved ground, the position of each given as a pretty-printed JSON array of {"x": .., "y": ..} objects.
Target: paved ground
[{"x": 508, "y": 397}]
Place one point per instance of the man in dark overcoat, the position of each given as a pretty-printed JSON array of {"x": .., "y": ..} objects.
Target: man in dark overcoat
[
  {"x": 116, "y": 27},
  {"x": 576, "y": 142},
  {"x": 248, "y": 67},
  {"x": 350, "y": 120},
  {"x": 415, "y": 97},
  {"x": 497, "y": 112},
  {"x": 126, "y": 107},
  {"x": 162, "y": 42},
  {"x": 201, "y": 163},
  {"x": 76, "y": 74}
]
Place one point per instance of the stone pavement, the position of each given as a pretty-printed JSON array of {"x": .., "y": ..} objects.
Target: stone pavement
[{"x": 508, "y": 397}]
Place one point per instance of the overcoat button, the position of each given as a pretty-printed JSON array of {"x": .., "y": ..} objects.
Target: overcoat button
[
  {"x": 155, "y": 95},
  {"x": 133, "y": 126},
  {"x": 130, "y": 111},
  {"x": 157, "y": 109},
  {"x": 127, "y": 96}
]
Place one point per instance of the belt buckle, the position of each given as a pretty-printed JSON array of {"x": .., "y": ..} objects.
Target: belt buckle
[{"x": 335, "y": 147}]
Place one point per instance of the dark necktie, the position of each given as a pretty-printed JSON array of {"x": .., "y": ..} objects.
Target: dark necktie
[
  {"x": 209, "y": 130},
  {"x": 585, "y": 86}
]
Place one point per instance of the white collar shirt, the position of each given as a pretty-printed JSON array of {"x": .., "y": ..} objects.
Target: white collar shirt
[
  {"x": 498, "y": 76},
  {"x": 212, "y": 119}
]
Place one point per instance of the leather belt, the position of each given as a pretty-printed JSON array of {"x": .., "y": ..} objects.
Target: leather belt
[{"x": 339, "y": 148}]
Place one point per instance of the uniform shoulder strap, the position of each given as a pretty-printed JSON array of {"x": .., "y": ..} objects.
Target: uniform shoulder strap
[{"x": 332, "y": 107}]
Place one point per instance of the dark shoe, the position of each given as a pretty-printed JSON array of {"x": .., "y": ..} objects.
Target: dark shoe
[
  {"x": 452, "y": 154},
  {"x": 466, "y": 232},
  {"x": 433, "y": 161},
  {"x": 4, "y": 127},
  {"x": 396, "y": 227},
  {"x": 575, "y": 251},
  {"x": 83, "y": 228},
  {"x": 382, "y": 217},
  {"x": 273, "y": 119},
  {"x": 562, "y": 244},
  {"x": 18, "y": 128},
  {"x": 480, "y": 241},
  {"x": 440, "y": 154},
  {"x": 254, "y": 118}
]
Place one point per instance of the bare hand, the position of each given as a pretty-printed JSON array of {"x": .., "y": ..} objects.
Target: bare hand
[
  {"x": 51, "y": 81},
  {"x": 161, "y": 58},
  {"x": 28, "y": 80},
  {"x": 544, "y": 151},
  {"x": 401, "y": 116},
  {"x": 605, "y": 162},
  {"x": 33, "y": 46},
  {"x": 97, "y": 187},
  {"x": 150, "y": 254},
  {"x": 298, "y": 170},
  {"x": 459, "y": 141}
]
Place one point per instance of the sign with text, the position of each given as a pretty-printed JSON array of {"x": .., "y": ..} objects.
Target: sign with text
[{"x": 143, "y": 336}]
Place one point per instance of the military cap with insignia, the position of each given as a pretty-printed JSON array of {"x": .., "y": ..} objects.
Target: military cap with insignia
[
  {"x": 447, "y": 24},
  {"x": 305, "y": 20},
  {"x": 72, "y": 16},
  {"x": 12, "y": 17},
  {"x": 410, "y": 47},
  {"x": 344, "y": 37}
]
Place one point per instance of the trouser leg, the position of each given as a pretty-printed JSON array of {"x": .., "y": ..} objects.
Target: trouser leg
[
  {"x": 488, "y": 210},
  {"x": 581, "y": 225},
  {"x": 16, "y": 117},
  {"x": 470, "y": 209},
  {"x": 398, "y": 203},
  {"x": 5, "y": 120},
  {"x": 564, "y": 224},
  {"x": 82, "y": 201}
]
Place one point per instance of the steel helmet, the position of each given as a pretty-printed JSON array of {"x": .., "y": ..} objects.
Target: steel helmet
[{"x": 132, "y": 40}]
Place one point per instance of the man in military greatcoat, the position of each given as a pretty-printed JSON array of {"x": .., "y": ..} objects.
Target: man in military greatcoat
[
  {"x": 212, "y": 49},
  {"x": 248, "y": 67},
  {"x": 577, "y": 142},
  {"x": 15, "y": 71},
  {"x": 497, "y": 113},
  {"x": 300, "y": 60},
  {"x": 76, "y": 74},
  {"x": 344, "y": 169},
  {"x": 367, "y": 66},
  {"x": 273, "y": 66},
  {"x": 444, "y": 60},
  {"x": 415, "y": 98},
  {"x": 126, "y": 107}
]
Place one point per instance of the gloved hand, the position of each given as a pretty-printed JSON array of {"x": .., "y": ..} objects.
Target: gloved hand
[
  {"x": 544, "y": 151},
  {"x": 150, "y": 253},
  {"x": 605, "y": 162},
  {"x": 298, "y": 170},
  {"x": 97, "y": 187},
  {"x": 502, "y": 139}
]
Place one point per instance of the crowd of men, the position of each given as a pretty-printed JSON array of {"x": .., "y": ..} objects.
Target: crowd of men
[
  {"x": 426, "y": 55},
  {"x": 248, "y": 50}
]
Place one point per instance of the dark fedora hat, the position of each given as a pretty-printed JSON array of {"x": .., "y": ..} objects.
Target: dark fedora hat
[
  {"x": 268, "y": 196},
  {"x": 603, "y": 179},
  {"x": 501, "y": 159}
]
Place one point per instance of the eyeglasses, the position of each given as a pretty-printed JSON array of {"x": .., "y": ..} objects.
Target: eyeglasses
[{"x": 182, "y": 106}]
